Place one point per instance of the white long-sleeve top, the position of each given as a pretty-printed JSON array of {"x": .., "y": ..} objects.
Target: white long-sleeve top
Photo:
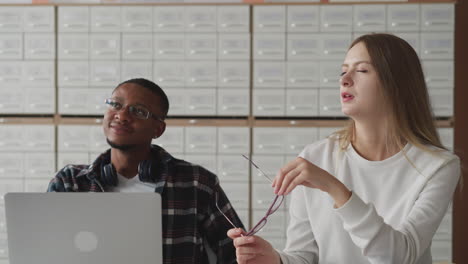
[{"x": 395, "y": 208}]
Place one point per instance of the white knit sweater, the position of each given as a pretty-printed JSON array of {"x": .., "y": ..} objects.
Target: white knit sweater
[{"x": 395, "y": 208}]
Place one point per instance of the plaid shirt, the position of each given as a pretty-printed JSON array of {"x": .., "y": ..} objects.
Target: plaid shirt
[{"x": 190, "y": 217}]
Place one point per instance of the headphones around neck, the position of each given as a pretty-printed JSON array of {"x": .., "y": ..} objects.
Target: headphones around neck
[{"x": 148, "y": 170}]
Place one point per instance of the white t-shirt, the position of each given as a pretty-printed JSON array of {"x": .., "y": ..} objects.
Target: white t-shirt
[
  {"x": 395, "y": 208},
  {"x": 133, "y": 185}
]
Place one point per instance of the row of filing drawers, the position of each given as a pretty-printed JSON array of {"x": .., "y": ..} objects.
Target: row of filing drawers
[
  {"x": 19, "y": 165},
  {"x": 199, "y": 101},
  {"x": 236, "y": 140},
  {"x": 209, "y": 101},
  {"x": 30, "y": 138},
  {"x": 158, "y": 46},
  {"x": 27, "y": 87},
  {"x": 27, "y": 19},
  {"x": 27, "y": 73},
  {"x": 326, "y": 74},
  {"x": 222, "y": 155},
  {"x": 19, "y": 100},
  {"x": 30, "y": 46},
  {"x": 178, "y": 74},
  {"x": 266, "y": 46},
  {"x": 325, "y": 102},
  {"x": 346, "y": 18},
  {"x": 154, "y": 19},
  {"x": 333, "y": 46},
  {"x": 211, "y": 140},
  {"x": 176, "y": 139},
  {"x": 297, "y": 18}
]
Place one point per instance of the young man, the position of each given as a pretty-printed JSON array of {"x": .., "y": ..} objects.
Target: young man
[{"x": 135, "y": 115}]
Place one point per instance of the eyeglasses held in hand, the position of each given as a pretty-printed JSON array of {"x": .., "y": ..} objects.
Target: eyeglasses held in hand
[
  {"x": 137, "y": 111},
  {"x": 273, "y": 207}
]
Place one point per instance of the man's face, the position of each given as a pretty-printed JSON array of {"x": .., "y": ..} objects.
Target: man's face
[{"x": 125, "y": 131}]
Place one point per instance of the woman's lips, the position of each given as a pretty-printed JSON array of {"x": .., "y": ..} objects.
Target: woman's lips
[{"x": 346, "y": 97}]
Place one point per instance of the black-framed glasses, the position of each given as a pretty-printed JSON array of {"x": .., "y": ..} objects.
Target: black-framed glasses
[
  {"x": 272, "y": 209},
  {"x": 137, "y": 111}
]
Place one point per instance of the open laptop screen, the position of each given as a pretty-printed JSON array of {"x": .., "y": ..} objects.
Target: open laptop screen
[{"x": 76, "y": 228}]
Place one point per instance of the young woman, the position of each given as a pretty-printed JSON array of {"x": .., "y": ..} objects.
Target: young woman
[{"x": 376, "y": 191}]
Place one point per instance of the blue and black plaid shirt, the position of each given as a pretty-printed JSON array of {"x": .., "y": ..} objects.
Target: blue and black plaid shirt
[{"x": 190, "y": 218}]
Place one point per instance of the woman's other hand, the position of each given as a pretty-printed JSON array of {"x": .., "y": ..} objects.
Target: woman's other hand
[{"x": 302, "y": 172}]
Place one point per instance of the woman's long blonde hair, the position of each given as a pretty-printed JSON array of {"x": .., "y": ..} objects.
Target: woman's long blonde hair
[{"x": 404, "y": 89}]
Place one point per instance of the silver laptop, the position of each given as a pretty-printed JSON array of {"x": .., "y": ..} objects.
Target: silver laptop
[{"x": 77, "y": 228}]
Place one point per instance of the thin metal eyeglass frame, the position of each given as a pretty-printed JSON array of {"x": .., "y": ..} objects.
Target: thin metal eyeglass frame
[
  {"x": 108, "y": 103},
  {"x": 272, "y": 209}
]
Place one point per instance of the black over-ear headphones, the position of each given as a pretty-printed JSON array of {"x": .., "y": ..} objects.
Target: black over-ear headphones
[
  {"x": 146, "y": 169},
  {"x": 108, "y": 175}
]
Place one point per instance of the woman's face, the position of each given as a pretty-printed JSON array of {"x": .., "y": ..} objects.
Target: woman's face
[{"x": 360, "y": 88}]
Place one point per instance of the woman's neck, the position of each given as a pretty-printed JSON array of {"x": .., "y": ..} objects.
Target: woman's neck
[{"x": 373, "y": 141}]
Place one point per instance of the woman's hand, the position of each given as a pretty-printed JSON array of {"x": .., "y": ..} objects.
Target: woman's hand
[
  {"x": 253, "y": 249},
  {"x": 302, "y": 172}
]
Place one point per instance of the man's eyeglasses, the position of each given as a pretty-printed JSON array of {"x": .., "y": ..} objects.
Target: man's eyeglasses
[
  {"x": 136, "y": 111},
  {"x": 273, "y": 207}
]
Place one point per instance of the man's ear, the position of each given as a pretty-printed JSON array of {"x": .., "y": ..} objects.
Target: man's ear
[{"x": 159, "y": 130}]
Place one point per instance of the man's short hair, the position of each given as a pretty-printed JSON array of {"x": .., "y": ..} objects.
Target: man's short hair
[{"x": 154, "y": 88}]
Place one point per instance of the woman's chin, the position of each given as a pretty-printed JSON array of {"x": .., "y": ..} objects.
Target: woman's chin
[{"x": 347, "y": 111}]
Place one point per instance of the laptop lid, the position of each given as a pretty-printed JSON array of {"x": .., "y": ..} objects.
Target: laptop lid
[{"x": 77, "y": 228}]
